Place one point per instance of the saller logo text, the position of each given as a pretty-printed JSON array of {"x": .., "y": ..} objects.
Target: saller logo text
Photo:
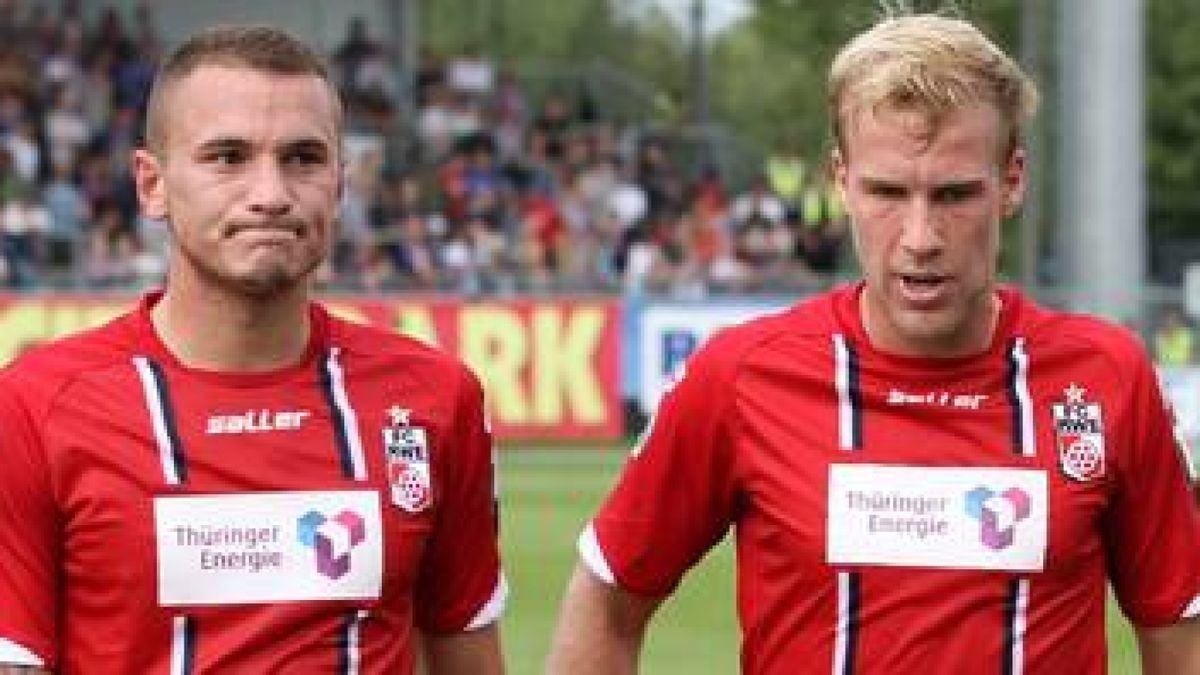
[{"x": 255, "y": 421}]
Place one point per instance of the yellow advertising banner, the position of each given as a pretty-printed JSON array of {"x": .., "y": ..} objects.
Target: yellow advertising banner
[{"x": 550, "y": 366}]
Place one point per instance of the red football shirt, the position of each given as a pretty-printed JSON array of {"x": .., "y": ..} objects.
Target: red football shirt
[
  {"x": 160, "y": 519},
  {"x": 903, "y": 515}
]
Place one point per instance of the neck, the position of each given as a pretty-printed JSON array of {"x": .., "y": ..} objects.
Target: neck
[
  {"x": 974, "y": 339},
  {"x": 224, "y": 331}
]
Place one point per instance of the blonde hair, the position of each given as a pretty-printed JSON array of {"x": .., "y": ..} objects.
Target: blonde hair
[{"x": 930, "y": 64}]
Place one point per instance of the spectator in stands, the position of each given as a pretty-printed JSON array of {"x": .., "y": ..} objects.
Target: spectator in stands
[
  {"x": 356, "y": 46},
  {"x": 656, "y": 175},
  {"x": 110, "y": 36},
  {"x": 71, "y": 93},
  {"x": 653, "y": 257},
  {"x": 67, "y": 129},
  {"x": 471, "y": 257},
  {"x": 819, "y": 227},
  {"x": 23, "y": 227},
  {"x": 541, "y": 235},
  {"x": 69, "y": 215},
  {"x": 509, "y": 115},
  {"x": 759, "y": 202},
  {"x": 412, "y": 254},
  {"x": 554, "y": 119},
  {"x": 785, "y": 173},
  {"x": 436, "y": 127},
  {"x": 105, "y": 264},
  {"x": 98, "y": 88},
  {"x": 135, "y": 75},
  {"x": 1174, "y": 339},
  {"x": 25, "y": 148},
  {"x": 62, "y": 67},
  {"x": 472, "y": 73}
]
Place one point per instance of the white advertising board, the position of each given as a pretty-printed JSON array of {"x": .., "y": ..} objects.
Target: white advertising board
[{"x": 671, "y": 332}]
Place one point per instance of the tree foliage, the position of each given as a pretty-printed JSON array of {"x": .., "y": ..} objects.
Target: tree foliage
[{"x": 1173, "y": 117}]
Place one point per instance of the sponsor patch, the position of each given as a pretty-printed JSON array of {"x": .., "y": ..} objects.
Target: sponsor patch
[
  {"x": 1079, "y": 434},
  {"x": 407, "y": 449},
  {"x": 268, "y": 547},
  {"x": 937, "y": 517}
]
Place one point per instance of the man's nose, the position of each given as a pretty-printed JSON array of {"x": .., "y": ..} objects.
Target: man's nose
[
  {"x": 269, "y": 194},
  {"x": 920, "y": 235}
]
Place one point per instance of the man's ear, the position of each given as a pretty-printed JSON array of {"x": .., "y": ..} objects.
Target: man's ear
[
  {"x": 1015, "y": 179},
  {"x": 148, "y": 178},
  {"x": 837, "y": 166}
]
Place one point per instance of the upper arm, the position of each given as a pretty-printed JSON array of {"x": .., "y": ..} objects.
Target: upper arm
[
  {"x": 475, "y": 652},
  {"x": 28, "y": 534},
  {"x": 1152, "y": 528},
  {"x": 600, "y": 627},
  {"x": 461, "y": 586},
  {"x": 1170, "y": 649},
  {"x": 677, "y": 494}
]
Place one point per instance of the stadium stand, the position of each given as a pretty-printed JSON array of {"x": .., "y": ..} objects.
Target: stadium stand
[{"x": 498, "y": 192}]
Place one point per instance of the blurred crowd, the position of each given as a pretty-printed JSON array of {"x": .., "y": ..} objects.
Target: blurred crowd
[{"x": 481, "y": 188}]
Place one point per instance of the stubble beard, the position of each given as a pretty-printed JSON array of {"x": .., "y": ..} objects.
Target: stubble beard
[{"x": 264, "y": 283}]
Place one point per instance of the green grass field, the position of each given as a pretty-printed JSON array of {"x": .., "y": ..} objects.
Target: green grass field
[{"x": 548, "y": 495}]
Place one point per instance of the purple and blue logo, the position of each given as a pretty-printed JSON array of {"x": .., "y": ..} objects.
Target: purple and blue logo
[
  {"x": 998, "y": 514},
  {"x": 332, "y": 539}
]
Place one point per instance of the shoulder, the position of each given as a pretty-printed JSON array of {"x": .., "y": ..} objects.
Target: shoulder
[
  {"x": 802, "y": 326},
  {"x": 371, "y": 346},
  {"x": 810, "y": 319},
  {"x": 1063, "y": 332},
  {"x": 39, "y": 373}
]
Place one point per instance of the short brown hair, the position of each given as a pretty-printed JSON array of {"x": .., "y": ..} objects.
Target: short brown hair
[
  {"x": 931, "y": 64},
  {"x": 256, "y": 47}
]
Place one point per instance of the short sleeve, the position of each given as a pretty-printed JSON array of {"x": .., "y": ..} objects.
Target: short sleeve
[
  {"x": 461, "y": 585},
  {"x": 1153, "y": 526},
  {"x": 28, "y": 532},
  {"x": 676, "y": 496}
]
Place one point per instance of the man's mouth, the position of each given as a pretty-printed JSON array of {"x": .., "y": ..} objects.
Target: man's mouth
[{"x": 923, "y": 288}]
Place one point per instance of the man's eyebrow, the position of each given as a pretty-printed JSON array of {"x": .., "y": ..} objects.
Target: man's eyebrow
[
  {"x": 308, "y": 143},
  {"x": 223, "y": 142},
  {"x": 877, "y": 183},
  {"x": 965, "y": 186},
  {"x": 959, "y": 183}
]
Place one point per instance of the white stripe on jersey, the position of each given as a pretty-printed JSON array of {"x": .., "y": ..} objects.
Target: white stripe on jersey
[
  {"x": 155, "y": 404},
  {"x": 841, "y": 355},
  {"x": 841, "y": 644},
  {"x": 1020, "y": 618},
  {"x": 1024, "y": 401},
  {"x": 592, "y": 556},
  {"x": 1192, "y": 610},
  {"x": 354, "y": 643},
  {"x": 14, "y": 654},
  {"x": 179, "y": 645},
  {"x": 492, "y": 610},
  {"x": 337, "y": 383}
]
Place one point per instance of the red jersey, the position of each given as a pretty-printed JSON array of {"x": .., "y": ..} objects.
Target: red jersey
[
  {"x": 903, "y": 515},
  {"x": 158, "y": 519}
]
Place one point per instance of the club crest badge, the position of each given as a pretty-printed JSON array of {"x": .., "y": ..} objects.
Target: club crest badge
[
  {"x": 407, "y": 451},
  {"x": 1079, "y": 430}
]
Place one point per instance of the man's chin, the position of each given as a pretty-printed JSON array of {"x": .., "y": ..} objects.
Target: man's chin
[
  {"x": 267, "y": 283},
  {"x": 925, "y": 327}
]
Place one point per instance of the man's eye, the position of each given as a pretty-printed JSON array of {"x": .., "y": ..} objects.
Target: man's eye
[
  {"x": 954, "y": 194},
  {"x": 304, "y": 158},
  {"x": 224, "y": 157},
  {"x": 889, "y": 192}
]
